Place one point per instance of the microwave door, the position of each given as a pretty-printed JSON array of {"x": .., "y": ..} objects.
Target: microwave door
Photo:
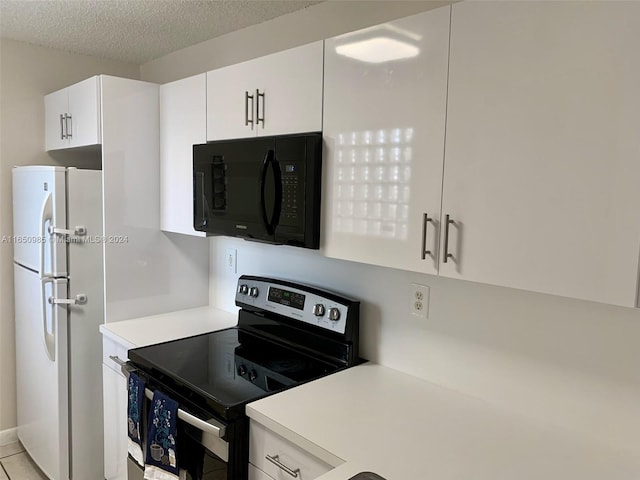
[
  {"x": 270, "y": 192},
  {"x": 228, "y": 189}
]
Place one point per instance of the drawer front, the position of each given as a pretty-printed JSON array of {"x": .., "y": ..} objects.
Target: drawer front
[
  {"x": 111, "y": 348},
  {"x": 264, "y": 443},
  {"x": 257, "y": 474}
]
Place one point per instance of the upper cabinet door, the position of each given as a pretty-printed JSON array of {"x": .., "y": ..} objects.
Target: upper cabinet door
[
  {"x": 289, "y": 91},
  {"x": 272, "y": 95},
  {"x": 84, "y": 113},
  {"x": 231, "y": 102},
  {"x": 542, "y": 166},
  {"x": 183, "y": 123},
  {"x": 56, "y": 105},
  {"x": 72, "y": 116},
  {"x": 384, "y": 117}
]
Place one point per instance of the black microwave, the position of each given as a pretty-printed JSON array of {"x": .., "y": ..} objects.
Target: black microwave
[{"x": 265, "y": 189}]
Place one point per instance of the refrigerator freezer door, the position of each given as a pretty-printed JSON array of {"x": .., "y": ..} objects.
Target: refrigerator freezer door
[
  {"x": 41, "y": 370},
  {"x": 38, "y": 204}
]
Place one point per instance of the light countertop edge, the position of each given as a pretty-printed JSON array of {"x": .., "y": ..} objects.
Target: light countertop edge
[{"x": 138, "y": 332}]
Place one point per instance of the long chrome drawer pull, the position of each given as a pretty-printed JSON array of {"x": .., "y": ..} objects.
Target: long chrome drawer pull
[
  {"x": 210, "y": 426},
  {"x": 116, "y": 359},
  {"x": 276, "y": 461}
]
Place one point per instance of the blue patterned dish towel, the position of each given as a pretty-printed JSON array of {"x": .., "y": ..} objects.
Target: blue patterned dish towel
[
  {"x": 134, "y": 414},
  {"x": 162, "y": 432}
]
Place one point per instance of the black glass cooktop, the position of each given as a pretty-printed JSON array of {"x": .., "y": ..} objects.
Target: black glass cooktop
[{"x": 228, "y": 368}]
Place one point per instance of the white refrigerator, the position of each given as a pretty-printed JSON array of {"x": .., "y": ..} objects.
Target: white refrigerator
[{"x": 59, "y": 291}]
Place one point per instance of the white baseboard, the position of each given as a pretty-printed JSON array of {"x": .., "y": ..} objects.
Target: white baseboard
[{"x": 8, "y": 436}]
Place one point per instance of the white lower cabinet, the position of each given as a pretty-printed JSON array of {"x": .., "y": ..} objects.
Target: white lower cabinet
[
  {"x": 274, "y": 457},
  {"x": 114, "y": 388}
]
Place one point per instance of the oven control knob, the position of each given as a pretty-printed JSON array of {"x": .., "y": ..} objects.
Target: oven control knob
[
  {"x": 318, "y": 309},
  {"x": 334, "y": 314},
  {"x": 253, "y": 375},
  {"x": 244, "y": 289},
  {"x": 242, "y": 370},
  {"x": 253, "y": 292}
]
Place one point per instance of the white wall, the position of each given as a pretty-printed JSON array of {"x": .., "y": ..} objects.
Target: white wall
[
  {"x": 27, "y": 73},
  {"x": 569, "y": 362}
]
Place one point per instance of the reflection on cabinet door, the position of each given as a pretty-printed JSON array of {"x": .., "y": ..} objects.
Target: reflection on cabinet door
[
  {"x": 541, "y": 168},
  {"x": 384, "y": 119}
]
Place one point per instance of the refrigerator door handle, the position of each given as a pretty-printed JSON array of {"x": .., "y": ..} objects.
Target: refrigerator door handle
[
  {"x": 80, "y": 299},
  {"x": 46, "y": 214},
  {"x": 78, "y": 231},
  {"x": 48, "y": 337}
]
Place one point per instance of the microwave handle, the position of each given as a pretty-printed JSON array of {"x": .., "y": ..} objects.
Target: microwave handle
[
  {"x": 200, "y": 204},
  {"x": 270, "y": 160}
]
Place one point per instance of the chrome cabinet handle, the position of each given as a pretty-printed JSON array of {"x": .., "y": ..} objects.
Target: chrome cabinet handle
[
  {"x": 258, "y": 117},
  {"x": 447, "y": 255},
  {"x": 276, "y": 461},
  {"x": 248, "y": 121},
  {"x": 69, "y": 123},
  {"x": 62, "y": 137},
  {"x": 117, "y": 360},
  {"x": 425, "y": 220}
]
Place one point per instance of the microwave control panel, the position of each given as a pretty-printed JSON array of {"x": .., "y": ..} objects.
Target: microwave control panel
[{"x": 292, "y": 193}]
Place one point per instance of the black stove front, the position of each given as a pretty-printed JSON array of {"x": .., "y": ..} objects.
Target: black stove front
[{"x": 287, "y": 334}]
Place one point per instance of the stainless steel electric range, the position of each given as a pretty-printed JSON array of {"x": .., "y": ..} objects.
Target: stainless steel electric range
[{"x": 287, "y": 334}]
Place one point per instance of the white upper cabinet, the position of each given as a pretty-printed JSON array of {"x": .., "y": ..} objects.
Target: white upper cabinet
[
  {"x": 72, "y": 116},
  {"x": 385, "y": 90},
  {"x": 277, "y": 94},
  {"x": 543, "y": 147},
  {"x": 183, "y": 123}
]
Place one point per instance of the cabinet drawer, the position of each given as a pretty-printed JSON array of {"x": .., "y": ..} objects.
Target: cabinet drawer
[
  {"x": 263, "y": 443},
  {"x": 257, "y": 474},
  {"x": 111, "y": 348}
]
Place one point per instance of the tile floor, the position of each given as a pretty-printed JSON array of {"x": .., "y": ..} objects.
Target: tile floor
[{"x": 15, "y": 464}]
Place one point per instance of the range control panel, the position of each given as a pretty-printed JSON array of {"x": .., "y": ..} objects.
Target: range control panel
[{"x": 306, "y": 304}]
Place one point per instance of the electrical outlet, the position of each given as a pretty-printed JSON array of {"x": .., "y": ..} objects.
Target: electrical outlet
[
  {"x": 419, "y": 298},
  {"x": 230, "y": 260}
]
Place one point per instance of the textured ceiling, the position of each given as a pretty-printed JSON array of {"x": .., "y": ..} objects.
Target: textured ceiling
[{"x": 132, "y": 30}]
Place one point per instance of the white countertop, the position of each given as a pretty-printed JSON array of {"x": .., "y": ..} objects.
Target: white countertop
[
  {"x": 143, "y": 331},
  {"x": 404, "y": 428}
]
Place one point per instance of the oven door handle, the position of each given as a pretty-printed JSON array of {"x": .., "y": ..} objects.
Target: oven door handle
[{"x": 210, "y": 426}]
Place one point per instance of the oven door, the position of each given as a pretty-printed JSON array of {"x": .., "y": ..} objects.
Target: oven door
[{"x": 207, "y": 433}]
